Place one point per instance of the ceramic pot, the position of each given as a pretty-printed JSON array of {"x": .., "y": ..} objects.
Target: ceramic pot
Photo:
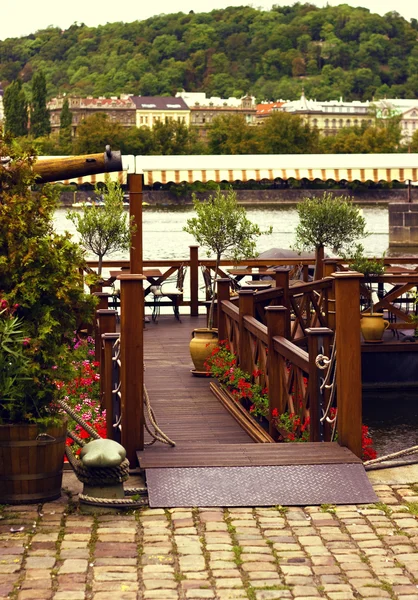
[
  {"x": 372, "y": 327},
  {"x": 201, "y": 345}
]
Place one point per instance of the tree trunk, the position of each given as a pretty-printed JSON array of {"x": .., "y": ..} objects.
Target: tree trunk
[
  {"x": 319, "y": 263},
  {"x": 212, "y": 302}
]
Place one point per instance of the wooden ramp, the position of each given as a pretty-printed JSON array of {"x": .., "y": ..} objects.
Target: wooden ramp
[{"x": 215, "y": 463}]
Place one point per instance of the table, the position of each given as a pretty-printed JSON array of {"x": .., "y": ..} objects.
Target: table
[{"x": 238, "y": 274}]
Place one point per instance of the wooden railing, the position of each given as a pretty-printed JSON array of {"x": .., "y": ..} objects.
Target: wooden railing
[{"x": 289, "y": 372}]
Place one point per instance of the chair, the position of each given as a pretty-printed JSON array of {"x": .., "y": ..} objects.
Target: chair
[{"x": 159, "y": 292}]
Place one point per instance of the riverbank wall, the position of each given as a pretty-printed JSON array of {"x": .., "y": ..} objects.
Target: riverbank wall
[{"x": 270, "y": 196}]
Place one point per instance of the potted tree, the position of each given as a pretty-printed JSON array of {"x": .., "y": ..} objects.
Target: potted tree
[
  {"x": 104, "y": 228},
  {"x": 42, "y": 299},
  {"x": 327, "y": 220},
  {"x": 221, "y": 226}
]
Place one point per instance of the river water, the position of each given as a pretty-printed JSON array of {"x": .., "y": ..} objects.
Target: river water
[
  {"x": 394, "y": 426},
  {"x": 164, "y": 238}
]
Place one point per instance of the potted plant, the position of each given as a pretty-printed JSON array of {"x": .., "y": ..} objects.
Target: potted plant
[
  {"x": 327, "y": 220},
  {"x": 372, "y": 323},
  {"x": 221, "y": 226},
  {"x": 42, "y": 300},
  {"x": 104, "y": 228}
]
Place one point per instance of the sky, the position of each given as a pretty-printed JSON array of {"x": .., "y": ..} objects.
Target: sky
[{"x": 22, "y": 17}]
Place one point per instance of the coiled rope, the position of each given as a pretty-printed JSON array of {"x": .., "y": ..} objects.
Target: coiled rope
[{"x": 158, "y": 435}]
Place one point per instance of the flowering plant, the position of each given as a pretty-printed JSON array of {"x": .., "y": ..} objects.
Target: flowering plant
[
  {"x": 222, "y": 364},
  {"x": 82, "y": 391},
  {"x": 292, "y": 427}
]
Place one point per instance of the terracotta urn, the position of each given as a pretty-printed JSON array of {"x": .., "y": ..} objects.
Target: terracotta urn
[{"x": 201, "y": 345}]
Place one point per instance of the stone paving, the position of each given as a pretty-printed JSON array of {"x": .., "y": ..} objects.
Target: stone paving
[{"x": 333, "y": 552}]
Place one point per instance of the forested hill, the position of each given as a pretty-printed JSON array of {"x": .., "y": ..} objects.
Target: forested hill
[{"x": 331, "y": 52}]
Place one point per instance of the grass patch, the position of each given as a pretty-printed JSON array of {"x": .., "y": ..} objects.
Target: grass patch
[
  {"x": 328, "y": 508},
  {"x": 384, "y": 508},
  {"x": 412, "y": 508},
  {"x": 237, "y": 550}
]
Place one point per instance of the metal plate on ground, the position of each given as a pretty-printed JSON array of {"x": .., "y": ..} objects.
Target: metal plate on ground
[{"x": 296, "y": 485}]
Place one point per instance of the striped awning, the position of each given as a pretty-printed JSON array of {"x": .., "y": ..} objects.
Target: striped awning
[
  {"x": 258, "y": 167},
  {"x": 119, "y": 176},
  {"x": 337, "y": 167}
]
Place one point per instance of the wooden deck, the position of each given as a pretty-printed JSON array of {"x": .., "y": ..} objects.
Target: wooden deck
[
  {"x": 184, "y": 407},
  {"x": 206, "y": 435}
]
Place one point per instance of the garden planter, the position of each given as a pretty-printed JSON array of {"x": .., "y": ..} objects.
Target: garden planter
[
  {"x": 31, "y": 462},
  {"x": 372, "y": 327},
  {"x": 201, "y": 345}
]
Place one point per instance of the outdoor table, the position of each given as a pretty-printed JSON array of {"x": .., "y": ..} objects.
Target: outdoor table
[{"x": 239, "y": 274}]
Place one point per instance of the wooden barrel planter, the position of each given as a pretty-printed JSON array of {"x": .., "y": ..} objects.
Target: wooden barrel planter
[{"x": 31, "y": 463}]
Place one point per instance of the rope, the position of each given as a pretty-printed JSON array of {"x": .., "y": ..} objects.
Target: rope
[
  {"x": 79, "y": 420},
  {"x": 405, "y": 452},
  {"x": 118, "y": 502},
  {"x": 158, "y": 435},
  {"x": 323, "y": 362}
]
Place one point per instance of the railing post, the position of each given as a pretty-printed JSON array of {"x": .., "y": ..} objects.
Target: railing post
[
  {"x": 135, "y": 183},
  {"x": 103, "y": 300},
  {"x": 246, "y": 308},
  {"x": 106, "y": 381},
  {"x": 317, "y": 337},
  {"x": 348, "y": 371},
  {"x": 222, "y": 294},
  {"x": 330, "y": 266},
  {"x": 132, "y": 363},
  {"x": 194, "y": 281},
  {"x": 276, "y": 326},
  {"x": 282, "y": 281},
  {"x": 106, "y": 323}
]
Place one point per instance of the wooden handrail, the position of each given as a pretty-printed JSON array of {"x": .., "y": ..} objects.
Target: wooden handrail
[
  {"x": 291, "y": 352},
  {"x": 256, "y": 328}
]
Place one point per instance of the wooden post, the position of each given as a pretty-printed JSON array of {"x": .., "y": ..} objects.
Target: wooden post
[
  {"x": 348, "y": 372},
  {"x": 246, "y": 308},
  {"x": 223, "y": 294},
  {"x": 106, "y": 382},
  {"x": 135, "y": 182},
  {"x": 282, "y": 281},
  {"x": 106, "y": 323},
  {"x": 132, "y": 363},
  {"x": 330, "y": 266},
  {"x": 316, "y": 337},
  {"x": 194, "y": 281},
  {"x": 276, "y": 326},
  {"x": 103, "y": 300}
]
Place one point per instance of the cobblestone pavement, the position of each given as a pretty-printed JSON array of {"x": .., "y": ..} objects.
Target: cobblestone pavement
[{"x": 338, "y": 553}]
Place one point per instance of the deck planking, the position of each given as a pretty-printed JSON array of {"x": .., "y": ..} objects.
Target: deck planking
[{"x": 184, "y": 407}]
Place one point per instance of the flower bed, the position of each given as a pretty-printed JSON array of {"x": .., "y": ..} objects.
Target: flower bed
[{"x": 250, "y": 391}]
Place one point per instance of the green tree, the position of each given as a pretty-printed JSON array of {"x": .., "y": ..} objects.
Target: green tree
[
  {"x": 327, "y": 220},
  {"x": 95, "y": 132},
  {"x": 39, "y": 275},
  {"x": 104, "y": 229},
  {"x": 15, "y": 110},
  {"x": 221, "y": 226},
  {"x": 284, "y": 133},
  {"x": 65, "y": 135},
  {"x": 414, "y": 142},
  {"x": 39, "y": 115},
  {"x": 230, "y": 134}
]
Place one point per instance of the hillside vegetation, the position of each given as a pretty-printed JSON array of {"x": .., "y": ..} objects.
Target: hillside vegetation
[{"x": 331, "y": 52}]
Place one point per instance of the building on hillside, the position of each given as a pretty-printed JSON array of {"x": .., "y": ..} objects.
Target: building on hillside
[
  {"x": 407, "y": 109},
  {"x": 1, "y": 105},
  {"x": 264, "y": 110},
  {"x": 203, "y": 110},
  {"x": 119, "y": 110},
  {"x": 330, "y": 116},
  {"x": 151, "y": 109}
]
